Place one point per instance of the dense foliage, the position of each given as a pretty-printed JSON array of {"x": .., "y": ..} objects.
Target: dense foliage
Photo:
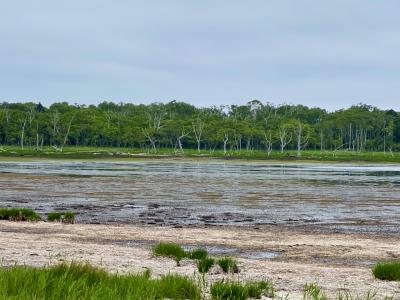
[{"x": 181, "y": 126}]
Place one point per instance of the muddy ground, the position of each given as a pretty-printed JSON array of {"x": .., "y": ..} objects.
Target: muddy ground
[{"x": 289, "y": 257}]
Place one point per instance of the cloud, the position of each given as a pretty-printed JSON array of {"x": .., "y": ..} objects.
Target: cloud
[{"x": 330, "y": 54}]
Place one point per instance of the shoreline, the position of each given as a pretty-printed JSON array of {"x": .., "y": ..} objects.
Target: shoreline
[
  {"x": 288, "y": 256},
  {"x": 190, "y": 158}
]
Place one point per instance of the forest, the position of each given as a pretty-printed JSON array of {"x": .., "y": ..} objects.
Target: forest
[{"x": 180, "y": 126}]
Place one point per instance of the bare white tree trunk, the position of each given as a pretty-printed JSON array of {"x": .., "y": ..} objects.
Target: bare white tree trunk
[
  {"x": 284, "y": 137},
  {"x": 67, "y": 133},
  {"x": 198, "y": 128},
  {"x": 184, "y": 133},
  {"x": 23, "y": 127},
  {"x": 268, "y": 142},
  {"x": 226, "y": 138},
  {"x": 55, "y": 119},
  {"x": 151, "y": 138},
  {"x": 300, "y": 142}
]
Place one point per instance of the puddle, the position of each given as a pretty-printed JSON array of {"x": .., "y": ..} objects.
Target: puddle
[{"x": 260, "y": 255}]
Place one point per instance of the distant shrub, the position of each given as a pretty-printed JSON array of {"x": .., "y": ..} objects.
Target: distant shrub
[
  {"x": 64, "y": 217},
  {"x": 229, "y": 290},
  {"x": 387, "y": 270},
  {"x": 228, "y": 265},
  {"x": 203, "y": 265},
  {"x": 169, "y": 250},
  {"x": 198, "y": 253},
  {"x": 19, "y": 214}
]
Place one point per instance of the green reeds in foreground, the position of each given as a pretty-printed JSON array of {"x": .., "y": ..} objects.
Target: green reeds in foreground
[
  {"x": 387, "y": 270},
  {"x": 311, "y": 291},
  {"x": 18, "y": 214},
  {"x": 83, "y": 281},
  {"x": 172, "y": 250},
  {"x": 203, "y": 265},
  {"x": 232, "y": 290},
  {"x": 228, "y": 265}
]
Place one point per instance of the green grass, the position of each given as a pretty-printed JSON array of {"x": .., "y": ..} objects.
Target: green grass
[
  {"x": 203, "y": 265},
  {"x": 311, "y": 291},
  {"x": 172, "y": 250},
  {"x": 19, "y": 214},
  {"x": 387, "y": 271},
  {"x": 84, "y": 152},
  {"x": 54, "y": 216},
  {"x": 232, "y": 290},
  {"x": 78, "y": 281},
  {"x": 228, "y": 265},
  {"x": 198, "y": 253},
  {"x": 64, "y": 217}
]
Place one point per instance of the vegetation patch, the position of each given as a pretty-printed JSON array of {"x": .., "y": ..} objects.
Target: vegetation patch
[
  {"x": 228, "y": 265},
  {"x": 203, "y": 265},
  {"x": 67, "y": 217},
  {"x": 231, "y": 290},
  {"x": 19, "y": 214},
  {"x": 387, "y": 270},
  {"x": 172, "y": 250},
  {"x": 79, "y": 281},
  {"x": 198, "y": 253},
  {"x": 312, "y": 291}
]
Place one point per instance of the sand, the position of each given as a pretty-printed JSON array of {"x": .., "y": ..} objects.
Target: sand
[{"x": 337, "y": 262}]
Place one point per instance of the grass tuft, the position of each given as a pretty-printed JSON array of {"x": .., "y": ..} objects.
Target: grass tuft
[
  {"x": 19, "y": 214},
  {"x": 231, "y": 290},
  {"x": 83, "y": 281},
  {"x": 228, "y": 265},
  {"x": 172, "y": 250},
  {"x": 311, "y": 291},
  {"x": 387, "y": 270},
  {"x": 203, "y": 265},
  {"x": 198, "y": 253},
  {"x": 67, "y": 217}
]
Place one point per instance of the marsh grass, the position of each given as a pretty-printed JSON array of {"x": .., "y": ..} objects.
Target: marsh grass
[
  {"x": 54, "y": 217},
  {"x": 387, "y": 270},
  {"x": 311, "y": 291},
  {"x": 198, "y": 253},
  {"x": 205, "y": 264},
  {"x": 86, "y": 152},
  {"x": 19, "y": 214},
  {"x": 232, "y": 290},
  {"x": 172, "y": 250},
  {"x": 228, "y": 265},
  {"x": 83, "y": 281},
  {"x": 64, "y": 217},
  {"x": 370, "y": 295}
]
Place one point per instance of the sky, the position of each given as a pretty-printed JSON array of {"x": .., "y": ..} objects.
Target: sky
[{"x": 330, "y": 54}]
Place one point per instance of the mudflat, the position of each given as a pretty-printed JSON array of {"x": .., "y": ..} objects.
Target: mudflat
[{"x": 290, "y": 257}]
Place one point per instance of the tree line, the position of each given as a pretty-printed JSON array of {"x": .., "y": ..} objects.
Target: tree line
[{"x": 180, "y": 126}]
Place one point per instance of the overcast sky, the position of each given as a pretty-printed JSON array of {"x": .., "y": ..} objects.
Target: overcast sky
[{"x": 330, "y": 54}]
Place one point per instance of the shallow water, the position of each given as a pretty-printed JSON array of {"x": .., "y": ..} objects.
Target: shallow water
[{"x": 329, "y": 196}]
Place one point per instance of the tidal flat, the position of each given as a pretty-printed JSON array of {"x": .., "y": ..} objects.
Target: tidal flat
[
  {"x": 290, "y": 223},
  {"x": 325, "y": 196}
]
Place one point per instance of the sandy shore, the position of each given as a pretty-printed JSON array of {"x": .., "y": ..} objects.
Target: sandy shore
[{"x": 288, "y": 257}]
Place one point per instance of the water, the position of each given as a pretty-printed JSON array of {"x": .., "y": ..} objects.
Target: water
[{"x": 328, "y": 196}]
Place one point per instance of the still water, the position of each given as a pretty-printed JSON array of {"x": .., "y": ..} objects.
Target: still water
[{"x": 344, "y": 197}]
